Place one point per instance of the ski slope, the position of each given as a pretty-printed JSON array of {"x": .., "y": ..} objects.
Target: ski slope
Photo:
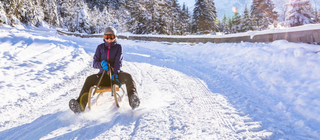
[{"x": 188, "y": 91}]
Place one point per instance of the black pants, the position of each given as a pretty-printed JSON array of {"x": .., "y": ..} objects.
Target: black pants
[{"x": 124, "y": 78}]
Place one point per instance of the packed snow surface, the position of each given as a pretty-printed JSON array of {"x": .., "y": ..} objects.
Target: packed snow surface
[{"x": 187, "y": 91}]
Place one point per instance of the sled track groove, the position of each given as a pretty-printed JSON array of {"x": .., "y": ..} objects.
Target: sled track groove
[
  {"x": 211, "y": 105},
  {"x": 226, "y": 89}
]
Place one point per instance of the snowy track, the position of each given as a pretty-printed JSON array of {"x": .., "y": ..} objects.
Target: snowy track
[
  {"x": 175, "y": 109},
  {"x": 187, "y": 92}
]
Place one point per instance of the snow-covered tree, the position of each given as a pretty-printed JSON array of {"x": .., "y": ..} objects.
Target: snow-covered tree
[
  {"x": 282, "y": 5},
  {"x": 36, "y": 13},
  {"x": 246, "y": 21},
  {"x": 122, "y": 15},
  {"x": 185, "y": 19},
  {"x": 300, "y": 13},
  {"x": 156, "y": 17},
  {"x": 257, "y": 13},
  {"x": 229, "y": 25},
  {"x": 50, "y": 12},
  {"x": 204, "y": 16},
  {"x": 91, "y": 16},
  {"x": 318, "y": 16},
  {"x": 270, "y": 14},
  {"x": 114, "y": 3},
  {"x": 83, "y": 18},
  {"x": 139, "y": 16},
  {"x": 236, "y": 23},
  {"x": 316, "y": 12},
  {"x": 21, "y": 11},
  {"x": 3, "y": 16},
  {"x": 67, "y": 14},
  {"x": 263, "y": 14},
  {"x": 157, "y": 22},
  {"x": 176, "y": 28},
  {"x": 95, "y": 20},
  {"x": 224, "y": 24},
  {"x": 63, "y": 8}
]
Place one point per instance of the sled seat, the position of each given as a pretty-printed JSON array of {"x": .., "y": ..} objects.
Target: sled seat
[{"x": 103, "y": 89}]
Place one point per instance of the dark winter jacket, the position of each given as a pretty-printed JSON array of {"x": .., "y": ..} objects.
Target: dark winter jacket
[{"x": 110, "y": 52}]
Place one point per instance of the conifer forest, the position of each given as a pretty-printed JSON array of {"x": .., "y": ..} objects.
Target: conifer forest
[{"x": 166, "y": 17}]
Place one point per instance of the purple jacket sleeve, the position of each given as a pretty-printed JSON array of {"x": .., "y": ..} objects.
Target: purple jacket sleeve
[
  {"x": 97, "y": 58},
  {"x": 118, "y": 60}
]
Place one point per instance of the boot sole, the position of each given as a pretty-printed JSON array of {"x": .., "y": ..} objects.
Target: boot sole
[
  {"x": 74, "y": 106},
  {"x": 134, "y": 101}
]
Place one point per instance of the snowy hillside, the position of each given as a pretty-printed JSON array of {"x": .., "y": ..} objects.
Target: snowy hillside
[{"x": 187, "y": 91}]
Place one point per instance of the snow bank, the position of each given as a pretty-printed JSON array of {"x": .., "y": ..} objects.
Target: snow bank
[{"x": 31, "y": 62}]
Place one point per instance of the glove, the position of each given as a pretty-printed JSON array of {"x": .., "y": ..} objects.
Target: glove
[
  {"x": 115, "y": 79},
  {"x": 104, "y": 65}
]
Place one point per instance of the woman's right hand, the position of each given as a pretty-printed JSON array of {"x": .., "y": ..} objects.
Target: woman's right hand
[{"x": 104, "y": 65}]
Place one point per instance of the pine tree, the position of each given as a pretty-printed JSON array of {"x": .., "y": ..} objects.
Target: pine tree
[
  {"x": 256, "y": 14},
  {"x": 185, "y": 19},
  {"x": 270, "y": 14},
  {"x": 114, "y": 3},
  {"x": 122, "y": 15},
  {"x": 229, "y": 25},
  {"x": 300, "y": 13},
  {"x": 50, "y": 12},
  {"x": 147, "y": 17},
  {"x": 20, "y": 12},
  {"x": 156, "y": 17},
  {"x": 246, "y": 21},
  {"x": 95, "y": 20},
  {"x": 152, "y": 23},
  {"x": 107, "y": 17},
  {"x": 63, "y": 8},
  {"x": 176, "y": 28},
  {"x": 69, "y": 15},
  {"x": 225, "y": 24},
  {"x": 263, "y": 14},
  {"x": 83, "y": 18},
  {"x": 219, "y": 26},
  {"x": 30, "y": 12},
  {"x": 167, "y": 15},
  {"x": 3, "y": 17},
  {"x": 137, "y": 19},
  {"x": 315, "y": 13},
  {"x": 236, "y": 22},
  {"x": 204, "y": 15},
  {"x": 281, "y": 4},
  {"x": 318, "y": 16},
  {"x": 36, "y": 13},
  {"x": 15, "y": 14},
  {"x": 214, "y": 14}
]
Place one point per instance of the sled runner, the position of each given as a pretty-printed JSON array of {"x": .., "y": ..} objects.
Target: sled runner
[{"x": 113, "y": 89}]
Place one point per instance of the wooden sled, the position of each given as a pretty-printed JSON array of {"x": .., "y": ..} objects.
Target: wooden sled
[{"x": 101, "y": 90}]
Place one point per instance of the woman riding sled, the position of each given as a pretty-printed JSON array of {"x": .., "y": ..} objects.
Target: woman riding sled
[{"x": 109, "y": 52}]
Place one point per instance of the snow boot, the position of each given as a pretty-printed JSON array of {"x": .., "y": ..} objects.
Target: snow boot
[
  {"x": 75, "y": 106},
  {"x": 134, "y": 101}
]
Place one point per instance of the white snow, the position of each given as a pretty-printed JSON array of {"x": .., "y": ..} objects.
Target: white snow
[{"x": 188, "y": 91}]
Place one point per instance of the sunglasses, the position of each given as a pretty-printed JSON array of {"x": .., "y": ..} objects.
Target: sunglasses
[{"x": 109, "y": 36}]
